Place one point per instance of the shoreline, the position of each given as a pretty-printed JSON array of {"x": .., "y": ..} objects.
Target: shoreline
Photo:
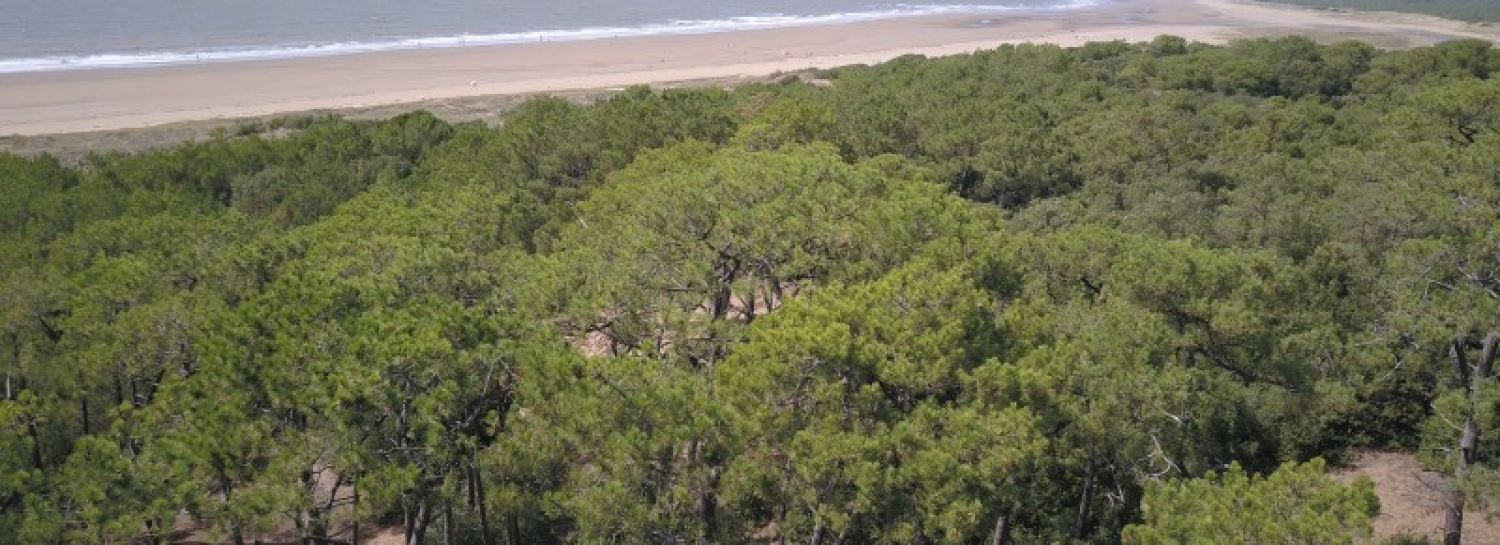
[
  {"x": 109, "y": 99},
  {"x": 664, "y": 27}
]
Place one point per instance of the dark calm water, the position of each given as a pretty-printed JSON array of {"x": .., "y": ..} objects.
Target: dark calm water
[{"x": 71, "y": 34}]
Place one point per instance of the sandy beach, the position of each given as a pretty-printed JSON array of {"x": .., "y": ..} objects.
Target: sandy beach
[{"x": 62, "y": 102}]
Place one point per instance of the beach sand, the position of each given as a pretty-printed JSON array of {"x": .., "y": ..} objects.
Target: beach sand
[{"x": 49, "y": 103}]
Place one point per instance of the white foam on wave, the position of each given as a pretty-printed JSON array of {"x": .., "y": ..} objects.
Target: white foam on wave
[{"x": 759, "y": 22}]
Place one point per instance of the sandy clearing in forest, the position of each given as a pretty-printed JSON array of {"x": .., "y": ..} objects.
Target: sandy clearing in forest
[
  {"x": 1410, "y": 500},
  {"x": 109, "y": 99}
]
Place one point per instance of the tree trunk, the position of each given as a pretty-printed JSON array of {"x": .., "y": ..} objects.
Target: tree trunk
[
  {"x": 1002, "y": 531},
  {"x": 15, "y": 362},
  {"x": 477, "y": 485},
  {"x": 226, "y": 489},
  {"x": 408, "y": 522},
  {"x": 749, "y": 311},
  {"x": 1468, "y": 442},
  {"x": 705, "y": 500},
  {"x": 300, "y": 521},
  {"x": 353, "y": 509},
  {"x": 315, "y": 527},
  {"x": 513, "y": 530},
  {"x": 1453, "y": 523},
  {"x": 1453, "y": 527},
  {"x": 154, "y": 533},
  {"x": 1084, "y": 501},
  {"x": 775, "y": 300},
  {"x": 708, "y": 512},
  {"x": 36, "y": 441},
  {"x": 1460, "y": 359},
  {"x": 416, "y": 529},
  {"x": 721, "y": 301},
  {"x": 781, "y": 524},
  {"x": 448, "y": 525},
  {"x": 470, "y": 491},
  {"x": 1487, "y": 358},
  {"x": 817, "y": 535},
  {"x": 727, "y": 271}
]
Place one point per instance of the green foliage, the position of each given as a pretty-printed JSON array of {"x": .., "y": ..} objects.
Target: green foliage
[
  {"x": 795, "y": 115},
  {"x": 1295, "y": 504},
  {"x": 1032, "y": 294},
  {"x": 911, "y": 452},
  {"x": 1468, "y": 10},
  {"x": 688, "y": 237}
]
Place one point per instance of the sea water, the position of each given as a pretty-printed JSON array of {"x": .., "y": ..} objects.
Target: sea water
[{"x": 40, "y": 35}]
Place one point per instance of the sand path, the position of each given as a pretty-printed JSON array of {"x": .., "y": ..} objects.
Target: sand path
[{"x": 1411, "y": 500}]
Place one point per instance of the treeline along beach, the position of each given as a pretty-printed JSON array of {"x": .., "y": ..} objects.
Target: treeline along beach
[{"x": 1032, "y": 294}]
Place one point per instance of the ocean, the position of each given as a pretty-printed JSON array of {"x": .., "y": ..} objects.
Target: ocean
[{"x": 43, "y": 35}]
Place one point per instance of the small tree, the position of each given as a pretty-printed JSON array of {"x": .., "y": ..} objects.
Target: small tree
[{"x": 1297, "y": 504}]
